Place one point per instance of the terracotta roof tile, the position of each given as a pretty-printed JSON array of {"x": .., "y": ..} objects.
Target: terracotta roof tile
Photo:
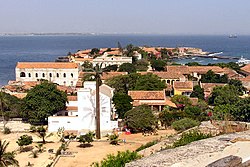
[
  {"x": 75, "y": 108},
  {"x": 57, "y": 65},
  {"x": 165, "y": 75},
  {"x": 246, "y": 79},
  {"x": 183, "y": 85},
  {"x": 147, "y": 95},
  {"x": 246, "y": 68},
  {"x": 208, "y": 87},
  {"x": 205, "y": 69},
  {"x": 179, "y": 69}
]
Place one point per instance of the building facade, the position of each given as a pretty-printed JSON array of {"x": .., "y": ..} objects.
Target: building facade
[
  {"x": 106, "y": 60},
  {"x": 65, "y": 74}
]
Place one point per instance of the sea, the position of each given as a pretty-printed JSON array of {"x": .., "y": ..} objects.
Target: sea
[{"x": 42, "y": 48}]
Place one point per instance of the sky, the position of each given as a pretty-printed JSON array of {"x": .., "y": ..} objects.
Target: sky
[{"x": 210, "y": 17}]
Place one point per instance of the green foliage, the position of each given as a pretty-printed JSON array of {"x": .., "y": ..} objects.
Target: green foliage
[
  {"x": 184, "y": 124},
  {"x": 7, "y": 158},
  {"x": 149, "y": 82},
  {"x": 181, "y": 100},
  {"x": 110, "y": 68},
  {"x": 167, "y": 117},
  {"x": 193, "y": 64},
  {"x": 227, "y": 94},
  {"x": 6, "y": 130},
  {"x": 42, "y": 101},
  {"x": 42, "y": 133},
  {"x": 34, "y": 154},
  {"x": 87, "y": 138},
  {"x": 158, "y": 65},
  {"x": 189, "y": 137},
  {"x": 193, "y": 112},
  {"x": 87, "y": 65},
  {"x": 40, "y": 147},
  {"x": 211, "y": 77},
  {"x": 232, "y": 65},
  {"x": 141, "y": 65},
  {"x": 113, "y": 139},
  {"x": 94, "y": 51},
  {"x": 139, "y": 118},
  {"x": 127, "y": 67},
  {"x": 32, "y": 129},
  {"x": 24, "y": 140},
  {"x": 88, "y": 77},
  {"x": 144, "y": 146},
  {"x": 118, "y": 160},
  {"x": 238, "y": 85},
  {"x": 198, "y": 92},
  {"x": 122, "y": 103}
]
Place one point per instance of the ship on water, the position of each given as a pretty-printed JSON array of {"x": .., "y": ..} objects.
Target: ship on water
[{"x": 232, "y": 36}]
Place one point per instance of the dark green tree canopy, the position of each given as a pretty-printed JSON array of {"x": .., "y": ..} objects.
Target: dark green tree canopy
[
  {"x": 24, "y": 140},
  {"x": 181, "y": 100},
  {"x": 42, "y": 101},
  {"x": 141, "y": 65},
  {"x": 110, "y": 68},
  {"x": 238, "y": 85},
  {"x": 158, "y": 65},
  {"x": 127, "y": 67},
  {"x": 198, "y": 92},
  {"x": 149, "y": 82},
  {"x": 122, "y": 103},
  {"x": 140, "y": 118},
  {"x": 211, "y": 77}
]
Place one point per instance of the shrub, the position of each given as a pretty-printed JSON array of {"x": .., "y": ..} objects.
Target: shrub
[
  {"x": 149, "y": 144},
  {"x": 113, "y": 139},
  {"x": 24, "y": 140},
  {"x": 32, "y": 129},
  {"x": 6, "y": 130},
  {"x": 118, "y": 160},
  {"x": 184, "y": 124},
  {"x": 34, "y": 154},
  {"x": 87, "y": 138},
  {"x": 189, "y": 137}
]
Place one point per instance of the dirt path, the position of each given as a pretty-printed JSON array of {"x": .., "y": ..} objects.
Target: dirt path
[{"x": 100, "y": 149}]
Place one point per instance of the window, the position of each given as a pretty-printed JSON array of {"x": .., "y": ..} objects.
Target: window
[
  {"x": 50, "y": 75},
  {"x": 43, "y": 75},
  {"x": 72, "y": 75},
  {"x": 71, "y": 83},
  {"x": 22, "y": 74},
  {"x": 57, "y": 75},
  {"x": 29, "y": 75},
  {"x": 36, "y": 75},
  {"x": 64, "y": 82},
  {"x": 66, "y": 114},
  {"x": 64, "y": 75}
]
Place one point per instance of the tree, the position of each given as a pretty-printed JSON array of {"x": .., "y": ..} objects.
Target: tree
[
  {"x": 122, "y": 103},
  {"x": 211, "y": 77},
  {"x": 141, "y": 65},
  {"x": 3, "y": 104},
  {"x": 94, "y": 51},
  {"x": 87, "y": 65},
  {"x": 181, "y": 101},
  {"x": 238, "y": 85},
  {"x": 149, "y": 82},
  {"x": 198, "y": 92},
  {"x": 127, "y": 67},
  {"x": 41, "y": 131},
  {"x": 164, "y": 54},
  {"x": 193, "y": 64},
  {"x": 227, "y": 94},
  {"x": 158, "y": 65},
  {"x": 24, "y": 140},
  {"x": 87, "y": 138},
  {"x": 110, "y": 68},
  {"x": 193, "y": 112},
  {"x": 43, "y": 101},
  {"x": 140, "y": 118},
  {"x": 7, "y": 158}
]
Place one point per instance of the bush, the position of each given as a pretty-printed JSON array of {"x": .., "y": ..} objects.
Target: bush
[
  {"x": 149, "y": 144},
  {"x": 184, "y": 124},
  {"x": 189, "y": 137},
  {"x": 113, "y": 139},
  {"x": 6, "y": 130},
  {"x": 117, "y": 161}
]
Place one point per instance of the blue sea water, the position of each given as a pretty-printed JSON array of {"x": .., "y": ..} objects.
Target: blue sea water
[{"x": 15, "y": 49}]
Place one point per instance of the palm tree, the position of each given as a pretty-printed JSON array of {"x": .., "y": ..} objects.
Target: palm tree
[{"x": 7, "y": 158}]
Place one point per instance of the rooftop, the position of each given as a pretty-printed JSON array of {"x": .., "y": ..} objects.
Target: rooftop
[
  {"x": 183, "y": 85},
  {"x": 57, "y": 65},
  {"x": 147, "y": 95}
]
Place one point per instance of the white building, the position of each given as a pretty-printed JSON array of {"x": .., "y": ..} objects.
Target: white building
[
  {"x": 61, "y": 73},
  {"x": 81, "y": 115},
  {"x": 107, "y": 60}
]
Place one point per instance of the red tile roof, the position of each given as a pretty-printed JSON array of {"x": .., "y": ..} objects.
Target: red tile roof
[
  {"x": 246, "y": 68},
  {"x": 179, "y": 69},
  {"x": 205, "y": 69},
  {"x": 72, "y": 98},
  {"x": 57, "y": 65},
  {"x": 75, "y": 108},
  {"x": 208, "y": 87},
  {"x": 183, "y": 85},
  {"x": 147, "y": 95},
  {"x": 166, "y": 75}
]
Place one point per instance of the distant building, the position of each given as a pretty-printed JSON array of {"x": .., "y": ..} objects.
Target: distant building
[
  {"x": 108, "y": 60},
  {"x": 183, "y": 88},
  {"x": 65, "y": 74},
  {"x": 80, "y": 114}
]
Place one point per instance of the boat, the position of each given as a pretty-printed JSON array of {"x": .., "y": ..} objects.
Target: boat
[
  {"x": 215, "y": 53},
  {"x": 232, "y": 36},
  {"x": 243, "y": 61},
  {"x": 215, "y": 58}
]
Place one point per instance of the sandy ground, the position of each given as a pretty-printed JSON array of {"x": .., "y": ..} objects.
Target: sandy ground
[
  {"x": 100, "y": 149},
  {"x": 25, "y": 157}
]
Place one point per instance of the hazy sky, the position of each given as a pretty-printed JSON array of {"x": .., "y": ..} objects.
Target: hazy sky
[{"x": 126, "y": 16}]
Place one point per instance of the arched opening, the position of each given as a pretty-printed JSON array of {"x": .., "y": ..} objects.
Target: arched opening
[
  {"x": 57, "y": 75},
  {"x": 29, "y": 74},
  {"x": 50, "y": 75},
  {"x": 43, "y": 75},
  {"x": 72, "y": 75},
  {"x": 36, "y": 75},
  {"x": 22, "y": 74},
  {"x": 64, "y": 75}
]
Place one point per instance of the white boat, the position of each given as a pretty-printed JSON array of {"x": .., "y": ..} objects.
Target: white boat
[
  {"x": 214, "y": 54},
  {"x": 243, "y": 61},
  {"x": 215, "y": 58}
]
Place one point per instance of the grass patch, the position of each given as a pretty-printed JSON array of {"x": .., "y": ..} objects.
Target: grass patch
[{"x": 149, "y": 144}]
